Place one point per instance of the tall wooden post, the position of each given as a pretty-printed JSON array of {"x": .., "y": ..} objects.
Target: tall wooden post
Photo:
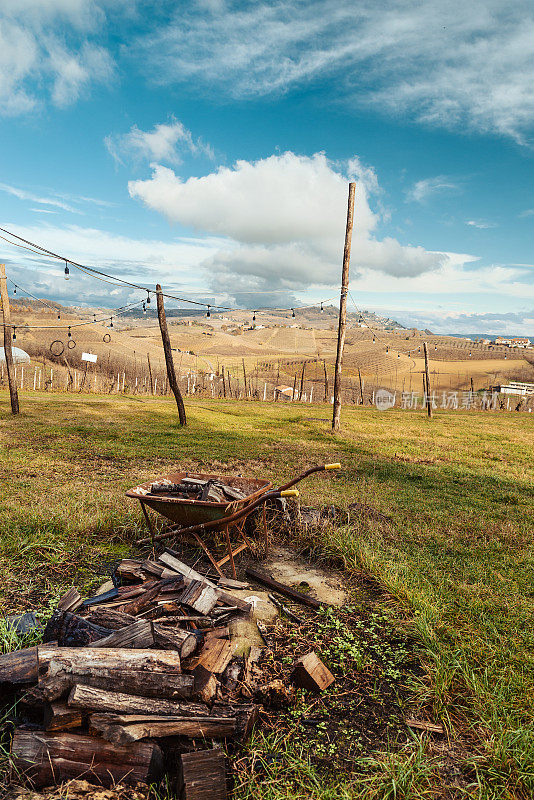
[
  {"x": 325, "y": 381},
  {"x": 173, "y": 383},
  {"x": 301, "y": 392},
  {"x": 427, "y": 382},
  {"x": 150, "y": 374},
  {"x": 361, "y": 387},
  {"x": 336, "y": 418},
  {"x": 245, "y": 378},
  {"x": 8, "y": 333}
]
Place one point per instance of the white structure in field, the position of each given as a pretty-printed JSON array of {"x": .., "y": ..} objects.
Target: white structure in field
[{"x": 19, "y": 356}]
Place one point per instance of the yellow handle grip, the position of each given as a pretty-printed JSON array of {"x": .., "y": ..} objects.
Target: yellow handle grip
[
  {"x": 290, "y": 493},
  {"x": 337, "y": 465}
]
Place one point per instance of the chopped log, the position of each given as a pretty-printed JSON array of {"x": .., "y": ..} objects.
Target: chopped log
[
  {"x": 47, "y": 758},
  {"x": 91, "y": 699},
  {"x": 252, "y": 672},
  {"x": 200, "y": 597},
  {"x": 310, "y": 673},
  {"x": 148, "y": 673},
  {"x": 134, "y": 568},
  {"x": 246, "y": 716},
  {"x": 214, "y": 657},
  {"x": 49, "y": 690},
  {"x": 70, "y": 601},
  {"x": 59, "y": 717},
  {"x": 139, "y": 636},
  {"x": 71, "y": 630},
  {"x": 143, "y": 601},
  {"x": 287, "y": 591},
  {"x": 123, "y": 729},
  {"x": 19, "y": 667},
  {"x": 108, "y": 618},
  {"x": 203, "y": 775},
  {"x": 206, "y": 686},
  {"x": 172, "y": 638},
  {"x": 231, "y": 675},
  {"x": 191, "y": 575},
  {"x": 222, "y": 632},
  {"x": 233, "y": 494}
]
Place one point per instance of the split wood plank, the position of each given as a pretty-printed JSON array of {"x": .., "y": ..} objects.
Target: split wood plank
[
  {"x": 203, "y": 775},
  {"x": 310, "y": 673},
  {"x": 59, "y": 717},
  {"x": 109, "y": 618},
  {"x": 139, "y": 635}
]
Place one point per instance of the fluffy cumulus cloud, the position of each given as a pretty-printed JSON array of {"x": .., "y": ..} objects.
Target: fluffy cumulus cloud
[
  {"x": 163, "y": 143},
  {"x": 282, "y": 221},
  {"x": 443, "y": 62},
  {"x": 513, "y": 323},
  {"x": 422, "y": 190},
  {"x": 51, "y": 47}
]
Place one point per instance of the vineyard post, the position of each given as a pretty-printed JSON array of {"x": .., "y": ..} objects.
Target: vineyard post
[
  {"x": 427, "y": 381},
  {"x": 361, "y": 387},
  {"x": 342, "y": 325},
  {"x": 8, "y": 333}
]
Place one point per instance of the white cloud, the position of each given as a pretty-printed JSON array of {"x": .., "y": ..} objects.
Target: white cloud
[
  {"x": 479, "y": 223},
  {"x": 160, "y": 144},
  {"x": 528, "y": 212},
  {"x": 442, "y": 62},
  {"x": 64, "y": 64},
  {"x": 422, "y": 190},
  {"x": 283, "y": 221},
  {"x": 46, "y": 201}
]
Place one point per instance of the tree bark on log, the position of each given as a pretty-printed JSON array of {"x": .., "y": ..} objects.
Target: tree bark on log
[
  {"x": 124, "y": 729},
  {"x": 48, "y": 758},
  {"x": 91, "y": 699},
  {"x": 19, "y": 667}
]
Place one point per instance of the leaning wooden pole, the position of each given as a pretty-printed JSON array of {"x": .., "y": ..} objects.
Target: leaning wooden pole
[
  {"x": 8, "y": 333},
  {"x": 336, "y": 418},
  {"x": 427, "y": 382},
  {"x": 173, "y": 383},
  {"x": 361, "y": 387}
]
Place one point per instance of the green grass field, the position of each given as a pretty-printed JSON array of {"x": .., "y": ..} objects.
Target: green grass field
[{"x": 459, "y": 556}]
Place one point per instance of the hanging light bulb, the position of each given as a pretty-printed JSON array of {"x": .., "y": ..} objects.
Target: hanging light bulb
[
  {"x": 398, "y": 355},
  {"x": 14, "y": 334},
  {"x": 208, "y": 312},
  {"x": 387, "y": 349},
  {"x": 470, "y": 353},
  {"x": 254, "y": 317},
  {"x": 293, "y": 310},
  {"x": 58, "y": 315},
  {"x": 322, "y": 309},
  {"x": 15, "y": 290},
  {"x": 374, "y": 339},
  {"x": 67, "y": 272},
  {"x": 148, "y": 296},
  {"x": 69, "y": 334},
  {"x": 144, "y": 308},
  {"x": 435, "y": 347},
  {"x": 111, "y": 322},
  {"x": 94, "y": 317}
]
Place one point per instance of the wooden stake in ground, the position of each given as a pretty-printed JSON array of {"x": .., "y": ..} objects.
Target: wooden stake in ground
[
  {"x": 336, "y": 418},
  {"x": 325, "y": 381},
  {"x": 361, "y": 387},
  {"x": 245, "y": 378},
  {"x": 173, "y": 383},
  {"x": 8, "y": 333},
  {"x": 301, "y": 392},
  {"x": 150, "y": 374},
  {"x": 427, "y": 382}
]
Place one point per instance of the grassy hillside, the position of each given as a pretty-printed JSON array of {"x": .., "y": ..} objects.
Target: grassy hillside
[{"x": 458, "y": 558}]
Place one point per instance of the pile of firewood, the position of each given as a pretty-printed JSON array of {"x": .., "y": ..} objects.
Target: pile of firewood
[{"x": 139, "y": 681}]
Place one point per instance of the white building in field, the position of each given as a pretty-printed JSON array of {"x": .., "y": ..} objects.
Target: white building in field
[{"x": 517, "y": 388}]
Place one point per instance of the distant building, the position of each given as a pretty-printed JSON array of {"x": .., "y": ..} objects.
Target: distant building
[
  {"x": 515, "y": 387},
  {"x": 514, "y": 341}
]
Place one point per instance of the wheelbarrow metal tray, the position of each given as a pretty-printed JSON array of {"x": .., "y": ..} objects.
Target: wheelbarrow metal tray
[{"x": 186, "y": 512}]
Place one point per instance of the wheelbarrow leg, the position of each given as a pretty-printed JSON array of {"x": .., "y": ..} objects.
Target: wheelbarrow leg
[
  {"x": 230, "y": 552},
  {"x": 265, "y": 531},
  {"x": 203, "y": 546},
  {"x": 149, "y": 523}
]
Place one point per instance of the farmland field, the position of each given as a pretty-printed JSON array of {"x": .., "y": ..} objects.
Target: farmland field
[{"x": 456, "y": 564}]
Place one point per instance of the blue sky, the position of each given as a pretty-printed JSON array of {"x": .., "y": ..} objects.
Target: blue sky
[{"x": 208, "y": 145}]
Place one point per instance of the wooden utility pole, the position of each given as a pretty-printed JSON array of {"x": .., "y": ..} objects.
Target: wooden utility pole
[
  {"x": 427, "y": 382},
  {"x": 325, "y": 381},
  {"x": 173, "y": 383},
  {"x": 336, "y": 418},
  {"x": 8, "y": 333},
  {"x": 361, "y": 387},
  {"x": 245, "y": 378}
]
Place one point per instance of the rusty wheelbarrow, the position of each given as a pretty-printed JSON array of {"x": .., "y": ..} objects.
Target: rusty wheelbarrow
[{"x": 193, "y": 517}]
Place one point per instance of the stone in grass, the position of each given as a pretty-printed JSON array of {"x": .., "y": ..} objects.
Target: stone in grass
[{"x": 310, "y": 673}]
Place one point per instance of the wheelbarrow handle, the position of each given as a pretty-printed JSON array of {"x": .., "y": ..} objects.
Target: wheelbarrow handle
[{"x": 305, "y": 474}]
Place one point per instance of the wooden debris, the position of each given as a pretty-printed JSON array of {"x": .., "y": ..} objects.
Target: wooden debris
[
  {"x": 71, "y": 630},
  {"x": 213, "y": 658},
  {"x": 70, "y": 601},
  {"x": 245, "y": 714},
  {"x": 123, "y": 729},
  {"x": 200, "y": 597},
  {"x": 310, "y": 673},
  {"x": 172, "y": 638},
  {"x": 52, "y": 757},
  {"x": 138, "y": 635},
  {"x": 287, "y": 591},
  {"x": 59, "y": 717},
  {"x": 206, "y": 686},
  {"x": 203, "y": 775},
  {"x": 109, "y": 618},
  {"x": 229, "y": 583},
  {"x": 19, "y": 667},
  {"x": 90, "y": 699},
  {"x": 422, "y": 725}
]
